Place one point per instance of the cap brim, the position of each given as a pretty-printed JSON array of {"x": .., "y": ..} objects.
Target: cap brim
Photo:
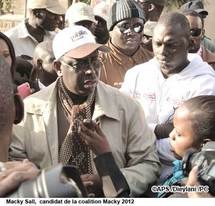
[
  {"x": 85, "y": 50},
  {"x": 57, "y": 10},
  {"x": 202, "y": 11}
]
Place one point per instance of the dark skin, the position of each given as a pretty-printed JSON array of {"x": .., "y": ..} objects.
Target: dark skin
[
  {"x": 41, "y": 20},
  {"x": 101, "y": 31},
  {"x": 45, "y": 77},
  {"x": 88, "y": 24},
  {"x": 93, "y": 136},
  {"x": 147, "y": 42},
  {"x": 81, "y": 83},
  {"x": 12, "y": 174},
  {"x": 170, "y": 46},
  {"x": 195, "y": 23},
  {"x": 16, "y": 172},
  {"x": 43, "y": 60},
  {"x": 129, "y": 42}
]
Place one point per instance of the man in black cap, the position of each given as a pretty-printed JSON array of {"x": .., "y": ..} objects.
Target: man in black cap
[
  {"x": 126, "y": 25},
  {"x": 197, "y": 32},
  {"x": 198, "y": 7}
]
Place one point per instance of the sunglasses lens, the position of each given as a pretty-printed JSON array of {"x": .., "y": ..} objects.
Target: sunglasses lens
[
  {"x": 195, "y": 32},
  {"x": 138, "y": 28}
]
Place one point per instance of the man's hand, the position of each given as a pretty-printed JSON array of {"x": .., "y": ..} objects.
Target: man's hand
[
  {"x": 193, "y": 181},
  {"x": 14, "y": 173},
  {"x": 93, "y": 185},
  {"x": 92, "y": 134}
]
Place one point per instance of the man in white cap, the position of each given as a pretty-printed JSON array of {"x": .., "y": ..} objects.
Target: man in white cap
[
  {"x": 82, "y": 14},
  {"x": 68, "y": 118},
  {"x": 44, "y": 17}
]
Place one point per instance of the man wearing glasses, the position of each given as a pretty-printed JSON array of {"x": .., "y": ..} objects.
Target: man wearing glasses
[
  {"x": 67, "y": 119},
  {"x": 126, "y": 25},
  {"x": 197, "y": 33},
  {"x": 198, "y": 6}
]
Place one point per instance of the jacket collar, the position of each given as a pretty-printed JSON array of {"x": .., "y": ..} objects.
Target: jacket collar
[
  {"x": 105, "y": 103},
  {"x": 23, "y": 32}
]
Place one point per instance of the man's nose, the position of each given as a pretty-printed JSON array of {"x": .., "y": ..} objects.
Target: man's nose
[
  {"x": 89, "y": 71},
  {"x": 163, "y": 50}
]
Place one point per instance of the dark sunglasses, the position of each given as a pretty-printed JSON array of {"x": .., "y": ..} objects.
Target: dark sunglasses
[
  {"x": 82, "y": 65},
  {"x": 125, "y": 28},
  {"x": 195, "y": 32}
]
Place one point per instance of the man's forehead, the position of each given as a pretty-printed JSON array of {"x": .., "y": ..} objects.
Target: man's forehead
[
  {"x": 133, "y": 19},
  {"x": 194, "y": 20},
  {"x": 167, "y": 34},
  {"x": 167, "y": 28}
]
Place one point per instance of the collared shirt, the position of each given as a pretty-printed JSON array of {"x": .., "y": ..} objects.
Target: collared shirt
[
  {"x": 121, "y": 118},
  {"x": 115, "y": 64},
  {"x": 23, "y": 42}
]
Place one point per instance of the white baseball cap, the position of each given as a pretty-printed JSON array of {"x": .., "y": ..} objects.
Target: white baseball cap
[
  {"x": 50, "y": 5},
  {"x": 79, "y": 12},
  {"x": 102, "y": 9},
  {"x": 76, "y": 42}
]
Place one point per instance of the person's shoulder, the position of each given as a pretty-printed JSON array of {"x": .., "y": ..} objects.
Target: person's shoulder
[
  {"x": 200, "y": 69},
  {"x": 37, "y": 101},
  {"x": 115, "y": 96},
  {"x": 14, "y": 32},
  {"x": 145, "y": 68}
]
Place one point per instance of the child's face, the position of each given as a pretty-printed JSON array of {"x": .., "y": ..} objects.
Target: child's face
[{"x": 182, "y": 136}]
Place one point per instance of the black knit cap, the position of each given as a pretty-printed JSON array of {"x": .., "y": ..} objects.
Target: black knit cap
[{"x": 124, "y": 9}]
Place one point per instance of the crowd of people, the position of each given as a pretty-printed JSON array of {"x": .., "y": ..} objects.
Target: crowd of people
[{"x": 119, "y": 90}]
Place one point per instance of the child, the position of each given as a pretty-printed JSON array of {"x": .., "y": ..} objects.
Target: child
[{"x": 194, "y": 125}]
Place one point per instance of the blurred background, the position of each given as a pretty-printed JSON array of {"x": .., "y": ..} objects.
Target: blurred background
[{"x": 14, "y": 11}]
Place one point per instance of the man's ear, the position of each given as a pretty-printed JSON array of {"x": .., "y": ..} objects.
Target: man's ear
[
  {"x": 57, "y": 68},
  {"x": 19, "y": 108},
  {"x": 151, "y": 7}
]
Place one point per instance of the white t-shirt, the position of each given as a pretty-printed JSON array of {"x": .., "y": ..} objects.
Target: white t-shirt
[{"x": 158, "y": 96}]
